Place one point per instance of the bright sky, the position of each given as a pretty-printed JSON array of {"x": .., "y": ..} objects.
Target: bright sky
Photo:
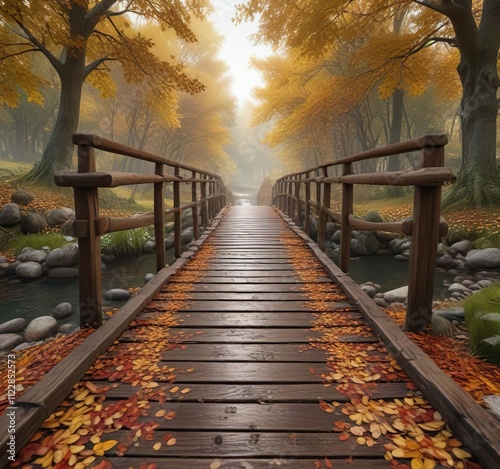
[{"x": 237, "y": 49}]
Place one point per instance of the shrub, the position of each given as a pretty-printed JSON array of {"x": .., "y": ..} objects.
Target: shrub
[{"x": 127, "y": 242}]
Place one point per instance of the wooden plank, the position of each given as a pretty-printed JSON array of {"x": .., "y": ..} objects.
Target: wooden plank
[
  {"x": 241, "y": 287},
  {"x": 245, "y": 353},
  {"x": 247, "y": 463},
  {"x": 248, "y": 267},
  {"x": 230, "y": 305},
  {"x": 249, "y": 444},
  {"x": 278, "y": 280},
  {"x": 247, "y": 261},
  {"x": 238, "y": 336},
  {"x": 295, "y": 392},
  {"x": 265, "y": 296}
]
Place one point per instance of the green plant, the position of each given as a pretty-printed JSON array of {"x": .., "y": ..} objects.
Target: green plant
[
  {"x": 482, "y": 314},
  {"x": 36, "y": 241},
  {"x": 127, "y": 242}
]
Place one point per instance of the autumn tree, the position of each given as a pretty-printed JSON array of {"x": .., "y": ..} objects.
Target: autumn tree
[
  {"x": 79, "y": 38},
  {"x": 313, "y": 28}
]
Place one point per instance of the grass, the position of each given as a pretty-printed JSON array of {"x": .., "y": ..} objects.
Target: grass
[
  {"x": 36, "y": 241},
  {"x": 481, "y": 310},
  {"x": 128, "y": 242}
]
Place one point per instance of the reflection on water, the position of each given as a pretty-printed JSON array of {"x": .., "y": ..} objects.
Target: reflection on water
[{"x": 39, "y": 297}]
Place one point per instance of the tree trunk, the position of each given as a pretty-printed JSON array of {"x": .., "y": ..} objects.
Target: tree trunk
[
  {"x": 478, "y": 181},
  {"x": 394, "y": 163},
  {"x": 58, "y": 153}
]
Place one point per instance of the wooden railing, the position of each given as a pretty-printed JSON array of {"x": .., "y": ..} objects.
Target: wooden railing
[
  {"x": 208, "y": 197},
  {"x": 292, "y": 195}
]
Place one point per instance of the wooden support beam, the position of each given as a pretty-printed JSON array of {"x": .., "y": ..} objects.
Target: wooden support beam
[
  {"x": 102, "y": 179},
  {"x": 345, "y": 228},
  {"x": 159, "y": 222}
]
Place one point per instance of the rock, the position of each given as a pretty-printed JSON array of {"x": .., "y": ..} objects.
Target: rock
[
  {"x": 148, "y": 277},
  {"x": 117, "y": 294},
  {"x": 381, "y": 302},
  {"x": 66, "y": 256},
  {"x": 32, "y": 222},
  {"x": 395, "y": 245},
  {"x": 187, "y": 236},
  {"x": 63, "y": 311},
  {"x": 370, "y": 290},
  {"x": 462, "y": 246},
  {"x": 398, "y": 295},
  {"x": 11, "y": 269},
  {"x": 458, "y": 288},
  {"x": 368, "y": 243},
  {"x": 29, "y": 270},
  {"x": 68, "y": 328},
  {"x": 108, "y": 258},
  {"x": 9, "y": 341},
  {"x": 386, "y": 238},
  {"x": 445, "y": 261},
  {"x": 493, "y": 403},
  {"x": 452, "y": 313},
  {"x": 169, "y": 241},
  {"x": 10, "y": 215},
  {"x": 3, "y": 260},
  {"x": 14, "y": 325},
  {"x": 355, "y": 248},
  {"x": 400, "y": 257},
  {"x": 150, "y": 246},
  {"x": 32, "y": 255},
  {"x": 56, "y": 217},
  {"x": 169, "y": 227},
  {"x": 40, "y": 328},
  {"x": 63, "y": 272},
  {"x": 22, "y": 347},
  {"x": 21, "y": 197},
  {"x": 69, "y": 211},
  {"x": 483, "y": 259},
  {"x": 457, "y": 295},
  {"x": 67, "y": 228},
  {"x": 441, "y": 326},
  {"x": 485, "y": 283},
  {"x": 441, "y": 250},
  {"x": 331, "y": 228},
  {"x": 336, "y": 237},
  {"x": 373, "y": 216}
]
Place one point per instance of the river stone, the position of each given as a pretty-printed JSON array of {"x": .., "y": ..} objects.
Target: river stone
[
  {"x": 458, "y": 288},
  {"x": 32, "y": 222},
  {"x": 40, "y": 328},
  {"x": 63, "y": 311},
  {"x": 331, "y": 228},
  {"x": 441, "y": 326},
  {"x": 187, "y": 236},
  {"x": 63, "y": 272},
  {"x": 9, "y": 341},
  {"x": 395, "y": 245},
  {"x": 453, "y": 313},
  {"x": 336, "y": 237},
  {"x": 10, "y": 215},
  {"x": 169, "y": 241},
  {"x": 29, "y": 270},
  {"x": 483, "y": 259},
  {"x": 445, "y": 261},
  {"x": 33, "y": 255},
  {"x": 56, "y": 217},
  {"x": 385, "y": 237},
  {"x": 68, "y": 328},
  {"x": 398, "y": 295},
  {"x": 14, "y": 325},
  {"x": 150, "y": 246},
  {"x": 148, "y": 277},
  {"x": 21, "y": 197},
  {"x": 485, "y": 283},
  {"x": 67, "y": 256},
  {"x": 462, "y": 246},
  {"x": 117, "y": 294},
  {"x": 370, "y": 290},
  {"x": 381, "y": 302},
  {"x": 368, "y": 243}
]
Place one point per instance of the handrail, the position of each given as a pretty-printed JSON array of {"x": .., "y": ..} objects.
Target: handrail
[
  {"x": 88, "y": 226},
  {"x": 292, "y": 195}
]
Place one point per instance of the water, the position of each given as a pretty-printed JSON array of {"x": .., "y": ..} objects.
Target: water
[{"x": 36, "y": 298}]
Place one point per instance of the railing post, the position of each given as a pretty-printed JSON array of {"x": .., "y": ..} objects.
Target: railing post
[
  {"x": 318, "y": 198},
  {"x": 423, "y": 253},
  {"x": 204, "y": 205},
  {"x": 323, "y": 217},
  {"x": 89, "y": 247},
  {"x": 210, "y": 200},
  {"x": 194, "y": 199},
  {"x": 289, "y": 198},
  {"x": 177, "y": 215},
  {"x": 159, "y": 224},
  {"x": 345, "y": 228},
  {"x": 298, "y": 205},
  {"x": 307, "y": 207}
]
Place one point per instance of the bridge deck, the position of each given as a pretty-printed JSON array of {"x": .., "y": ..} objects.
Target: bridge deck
[{"x": 250, "y": 357}]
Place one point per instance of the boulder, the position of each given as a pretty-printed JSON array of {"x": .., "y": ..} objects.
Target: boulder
[
  {"x": 40, "y": 328},
  {"x": 29, "y": 270},
  {"x": 452, "y": 313},
  {"x": 67, "y": 256},
  {"x": 381, "y": 302},
  {"x": 485, "y": 283},
  {"x": 150, "y": 246},
  {"x": 462, "y": 246},
  {"x": 441, "y": 326},
  {"x": 32, "y": 255},
  {"x": 483, "y": 259},
  {"x": 368, "y": 243},
  {"x": 331, "y": 228},
  {"x": 10, "y": 215},
  {"x": 445, "y": 261},
  {"x": 67, "y": 228},
  {"x": 11, "y": 269},
  {"x": 63, "y": 311},
  {"x": 68, "y": 328},
  {"x": 458, "y": 288},
  {"x": 398, "y": 295},
  {"x": 386, "y": 238},
  {"x": 169, "y": 241},
  {"x": 117, "y": 294},
  {"x": 14, "y": 325},
  {"x": 9, "y": 341},
  {"x": 63, "y": 272},
  {"x": 32, "y": 222},
  {"x": 336, "y": 237},
  {"x": 370, "y": 290},
  {"x": 395, "y": 245},
  {"x": 69, "y": 211},
  {"x": 187, "y": 236},
  {"x": 21, "y": 197},
  {"x": 56, "y": 217},
  {"x": 148, "y": 277}
]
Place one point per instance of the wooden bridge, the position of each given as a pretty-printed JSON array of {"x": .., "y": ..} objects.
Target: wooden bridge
[{"x": 253, "y": 350}]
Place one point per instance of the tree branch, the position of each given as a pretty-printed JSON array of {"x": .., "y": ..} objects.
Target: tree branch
[
  {"x": 95, "y": 64},
  {"x": 94, "y": 14},
  {"x": 18, "y": 53}
]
